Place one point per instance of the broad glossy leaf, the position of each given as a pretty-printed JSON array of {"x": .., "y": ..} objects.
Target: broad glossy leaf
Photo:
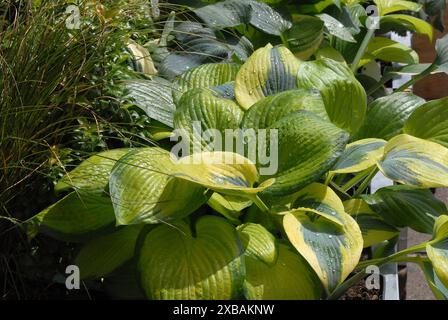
[
  {"x": 267, "y": 111},
  {"x": 92, "y": 173},
  {"x": 389, "y": 50},
  {"x": 268, "y": 71},
  {"x": 336, "y": 28},
  {"x": 300, "y": 135},
  {"x": 415, "y": 162},
  {"x": 76, "y": 217},
  {"x": 360, "y": 155},
  {"x": 144, "y": 190},
  {"x": 390, "y": 6},
  {"x": 321, "y": 200},
  {"x": 230, "y": 207},
  {"x": 205, "y": 109},
  {"x": 206, "y": 76},
  {"x": 437, "y": 287},
  {"x": 344, "y": 97},
  {"x": 410, "y": 23},
  {"x": 332, "y": 250},
  {"x": 104, "y": 254},
  {"x": 273, "y": 270},
  {"x": 154, "y": 97},
  {"x": 266, "y": 19},
  {"x": 441, "y": 62},
  {"x": 142, "y": 61},
  {"x": 374, "y": 229},
  {"x": 403, "y": 206},
  {"x": 224, "y": 14},
  {"x": 430, "y": 122},
  {"x": 386, "y": 116},
  {"x": 178, "y": 264},
  {"x": 437, "y": 249},
  {"x": 305, "y": 36}
]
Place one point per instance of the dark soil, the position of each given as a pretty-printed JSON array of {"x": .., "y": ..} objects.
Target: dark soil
[{"x": 360, "y": 292}]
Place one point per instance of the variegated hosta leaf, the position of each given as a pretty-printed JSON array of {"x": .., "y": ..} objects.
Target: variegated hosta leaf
[
  {"x": 320, "y": 200},
  {"x": 437, "y": 249},
  {"x": 229, "y": 206},
  {"x": 144, "y": 190},
  {"x": 415, "y": 162},
  {"x": 332, "y": 250},
  {"x": 305, "y": 36},
  {"x": 430, "y": 121},
  {"x": 154, "y": 97},
  {"x": 177, "y": 263},
  {"x": 224, "y": 172},
  {"x": 390, "y": 6},
  {"x": 268, "y": 20},
  {"x": 360, "y": 155},
  {"x": 205, "y": 76},
  {"x": 273, "y": 270},
  {"x": 300, "y": 135},
  {"x": 200, "y": 110},
  {"x": 374, "y": 229},
  {"x": 268, "y": 71},
  {"x": 149, "y": 185},
  {"x": 344, "y": 97},
  {"x": 273, "y": 108},
  {"x": 92, "y": 173},
  {"x": 76, "y": 217},
  {"x": 104, "y": 254},
  {"x": 404, "y": 206},
  {"x": 142, "y": 61},
  {"x": 437, "y": 287},
  {"x": 386, "y": 116}
]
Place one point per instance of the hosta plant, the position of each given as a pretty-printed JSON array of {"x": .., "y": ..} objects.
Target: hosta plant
[{"x": 286, "y": 219}]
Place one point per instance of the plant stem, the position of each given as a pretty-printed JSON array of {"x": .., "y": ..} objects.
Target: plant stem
[
  {"x": 354, "y": 181},
  {"x": 260, "y": 204},
  {"x": 365, "y": 183},
  {"x": 362, "y": 49},
  {"x": 415, "y": 79},
  {"x": 378, "y": 262}
]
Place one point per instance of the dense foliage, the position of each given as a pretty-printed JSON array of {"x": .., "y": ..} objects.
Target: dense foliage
[{"x": 218, "y": 224}]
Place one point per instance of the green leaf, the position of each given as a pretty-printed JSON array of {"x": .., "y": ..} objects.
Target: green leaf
[
  {"x": 415, "y": 162},
  {"x": 359, "y": 156},
  {"x": 386, "y": 116},
  {"x": 332, "y": 250},
  {"x": 102, "y": 255},
  {"x": 441, "y": 62},
  {"x": 300, "y": 135},
  {"x": 266, "y": 19},
  {"x": 344, "y": 97},
  {"x": 203, "y": 109},
  {"x": 305, "y": 36},
  {"x": 430, "y": 122},
  {"x": 389, "y": 50},
  {"x": 410, "y": 23},
  {"x": 224, "y": 14},
  {"x": 390, "y": 6},
  {"x": 403, "y": 206},
  {"x": 268, "y": 71},
  {"x": 206, "y": 76},
  {"x": 336, "y": 28},
  {"x": 92, "y": 173},
  {"x": 154, "y": 97},
  {"x": 437, "y": 249},
  {"x": 437, "y": 287},
  {"x": 76, "y": 217},
  {"x": 229, "y": 206},
  {"x": 273, "y": 270},
  {"x": 267, "y": 111},
  {"x": 143, "y": 189},
  {"x": 374, "y": 229},
  {"x": 177, "y": 263}
]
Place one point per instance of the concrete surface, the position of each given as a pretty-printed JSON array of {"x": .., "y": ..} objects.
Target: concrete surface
[{"x": 416, "y": 286}]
